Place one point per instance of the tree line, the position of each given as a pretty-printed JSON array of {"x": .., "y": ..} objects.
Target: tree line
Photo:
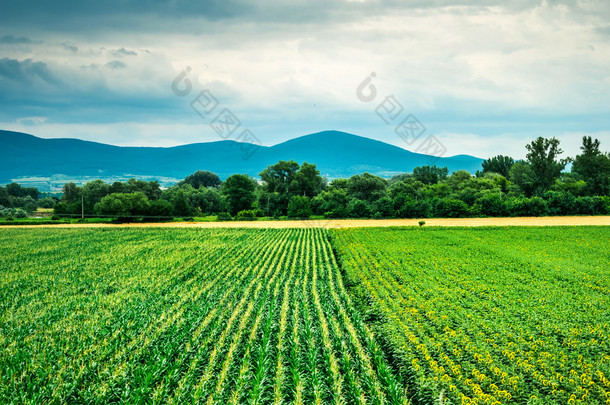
[{"x": 538, "y": 185}]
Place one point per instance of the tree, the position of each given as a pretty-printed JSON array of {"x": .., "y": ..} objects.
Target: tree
[
  {"x": 543, "y": 158},
  {"x": 93, "y": 192},
  {"x": 523, "y": 176},
  {"x": 307, "y": 181},
  {"x": 239, "y": 191},
  {"x": 280, "y": 178},
  {"x": 202, "y": 178},
  {"x": 182, "y": 207},
  {"x": 209, "y": 200},
  {"x": 366, "y": 187},
  {"x": 123, "y": 205},
  {"x": 593, "y": 167},
  {"x": 430, "y": 174},
  {"x": 459, "y": 179},
  {"x": 4, "y": 197},
  {"x": 299, "y": 207},
  {"x": 71, "y": 193},
  {"x": 498, "y": 164}
]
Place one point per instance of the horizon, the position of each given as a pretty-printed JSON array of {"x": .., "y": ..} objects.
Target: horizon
[{"x": 493, "y": 79}]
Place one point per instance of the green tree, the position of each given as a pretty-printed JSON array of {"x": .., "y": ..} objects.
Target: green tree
[
  {"x": 498, "y": 164},
  {"x": 202, "y": 178},
  {"x": 367, "y": 187},
  {"x": 239, "y": 192},
  {"x": 593, "y": 167},
  {"x": 523, "y": 176},
  {"x": 280, "y": 178},
  {"x": 71, "y": 193},
  {"x": 430, "y": 174},
  {"x": 307, "y": 181},
  {"x": 299, "y": 207},
  {"x": 123, "y": 205},
  {"x": 181, "y": 204},
  {"x": 543, "y": 157}
]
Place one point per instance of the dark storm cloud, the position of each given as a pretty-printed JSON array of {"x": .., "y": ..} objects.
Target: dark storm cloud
[
  {"x": 137, "y": 15},
  {"x": 27, "y": 71}
]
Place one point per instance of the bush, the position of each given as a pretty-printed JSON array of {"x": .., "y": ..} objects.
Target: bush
[
  {"x": 528, "y": 207},
  {"x": 55, "y": 218},
  {"x": 450, "y": 208},
  {"x": 223, "y": 216},
  {"x": 589, "y": 206},
  {"x": 19, "y": 213},
  {"x": 493, "y": 205},
  {"x": 246, "y": 215}
]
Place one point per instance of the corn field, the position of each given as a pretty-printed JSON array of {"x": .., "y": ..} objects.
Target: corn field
[{"x": 183, "y": 316}]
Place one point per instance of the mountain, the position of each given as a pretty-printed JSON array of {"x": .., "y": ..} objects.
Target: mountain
[{"x": 337, "y": 154}]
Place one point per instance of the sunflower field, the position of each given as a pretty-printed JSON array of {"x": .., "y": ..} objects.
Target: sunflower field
[{"x": 487, "y": 315}]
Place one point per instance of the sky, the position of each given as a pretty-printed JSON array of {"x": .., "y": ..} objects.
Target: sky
[{"x": 482, "y": 77}]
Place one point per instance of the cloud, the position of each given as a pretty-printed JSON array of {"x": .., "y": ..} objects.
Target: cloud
[
  {"x": 115, "y": 64},
  {"x": 31, "y": 121},
  {"x": 123, "y": 52},
  {"x": 70, "y": 46},
  {"x": 9, "y": 39},
  {"x": 26, "y": 71}
]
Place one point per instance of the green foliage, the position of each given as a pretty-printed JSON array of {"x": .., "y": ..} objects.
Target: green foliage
[
  {"x": 543, "y": 157},
  {"x": 299, "y": 207},
  {"x": 123, "y": 205},
  {"x": 430, "y": 174},
  {"x": 202, "y": 179},
  {"x": 523, "y": 176},
  {"x": 498, "y": 164},
  {"x": 593, "y": 167},
  {"x": 239, "y": 192},
  {"x": 366, "y": 187},
  {"x": 246, "y": 215}
]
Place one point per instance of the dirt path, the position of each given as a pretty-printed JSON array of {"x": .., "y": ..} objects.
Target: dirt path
[{"x": 353, "y": 223}]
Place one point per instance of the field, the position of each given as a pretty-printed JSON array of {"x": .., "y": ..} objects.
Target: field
[
  {"x": 182, "y": 316},
  {"x": 504, "y": 315},
  {"x": 501, "y": 315}
]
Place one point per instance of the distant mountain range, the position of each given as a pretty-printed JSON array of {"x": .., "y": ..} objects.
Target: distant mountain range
[{"x": 336, "y": 154}]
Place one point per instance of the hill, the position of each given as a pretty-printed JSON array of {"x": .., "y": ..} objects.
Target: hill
[{"x": 337, "y": 154}]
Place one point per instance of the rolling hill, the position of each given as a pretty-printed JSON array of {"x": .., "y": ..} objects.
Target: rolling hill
[{"x": 337, "y": 154}]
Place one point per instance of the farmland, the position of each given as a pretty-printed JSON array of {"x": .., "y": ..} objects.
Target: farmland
[
  {"x": 504, "y": 315},
  {"x": 182, "y": 316},
  {"x": 496, "y": 315}
]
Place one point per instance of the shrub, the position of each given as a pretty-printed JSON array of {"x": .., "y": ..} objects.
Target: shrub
[
  {"x": 55, "y": 218},
  {"x": 246, "y": 215},
  {"x": 223, "y": 216}
]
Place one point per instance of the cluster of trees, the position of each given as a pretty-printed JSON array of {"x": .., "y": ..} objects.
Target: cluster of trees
[
  {"x": 17, "y": 201},
  {"x": 538, "y": 185}
]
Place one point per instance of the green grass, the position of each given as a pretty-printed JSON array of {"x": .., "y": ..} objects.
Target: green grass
[{"x": 492, "y": 315}]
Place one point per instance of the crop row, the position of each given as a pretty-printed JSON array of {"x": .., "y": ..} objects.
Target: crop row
[
  {"x": 182, "y": 316},
  {"x": 488, "y": 316}
]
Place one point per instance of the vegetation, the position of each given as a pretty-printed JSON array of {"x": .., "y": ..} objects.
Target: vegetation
[
  {"x": 182, "y": 316},
  {"x": 488, "y": 315}
]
